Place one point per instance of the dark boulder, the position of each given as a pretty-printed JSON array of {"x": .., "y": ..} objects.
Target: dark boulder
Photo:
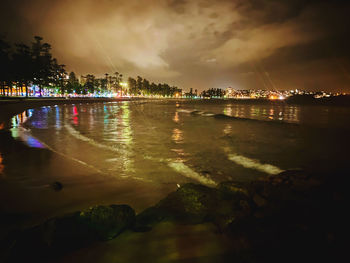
[
  {"x": 57, "y": 186},
  {"x": 63, "y": 234},
  {"x": 108, "y": 221},
  {"x": 194, "y": 204},
  {"x": 222, "y": 116},
  {"x": 191, "y": 203}
]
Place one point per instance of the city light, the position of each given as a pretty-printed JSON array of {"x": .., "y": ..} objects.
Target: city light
[{"x": 123, "y": 84}]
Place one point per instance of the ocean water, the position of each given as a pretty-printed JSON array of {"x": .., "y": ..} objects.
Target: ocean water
[{"x": 138, "y": 151}]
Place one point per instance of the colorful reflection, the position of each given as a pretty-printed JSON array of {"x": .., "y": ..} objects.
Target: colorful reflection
[
  {"x": 18, "y": 132},
  {"x": 254, "y": 112},
  {"x": 1, "y": 165},
  {"x": 40, "y": 118},
  {"x": 75, "y": 116},
  {"x": 58, "y": 120},
  {"x": 177, "y": 136},
  {"x": 20, "y": 118},
  {"x": 228, "y": 129},
  {"x": 125, "y": 136},
  {"x": 228, "y": 110},
  {"x": 176, "y": 117},
  {"x": 32, "y": 142},
  {"x": 23, "y": 135},
  {"x": 264, "y": 112},
  {"x": 126, "y": 133}
]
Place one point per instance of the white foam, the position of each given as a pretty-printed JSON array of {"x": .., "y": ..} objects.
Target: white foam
[
  {"x": 24, "y": 134},
  {"x": 254, "y": 164},
  {"x": 81, "y": 137},
  {"x": 207, "y": 114},
  {"x": 185, "y": 111},
  {"x": 188, "y": 172}
]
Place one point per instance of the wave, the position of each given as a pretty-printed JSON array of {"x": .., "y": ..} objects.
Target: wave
[
  {"x": 183, "y": 169},
  {"x": 184, "y": 110},
  {"x": 190, "y": 173},
  {"x": 221, "y": 116},
  {"x": 76, "y": 134},
  {"x": 26, "y": 136},
  {"x": 254, "y": 164}
]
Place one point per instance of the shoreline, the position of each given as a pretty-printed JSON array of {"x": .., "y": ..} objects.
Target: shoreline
[
  {"x": 13, "y": 151},
  {"x": 12, "y": 107},
  {"x": 243, "y": 218}
]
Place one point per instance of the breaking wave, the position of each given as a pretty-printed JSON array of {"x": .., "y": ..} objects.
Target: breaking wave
[
  {"x": 254, "y": 164},
  {"x": 190, "y": 173}
]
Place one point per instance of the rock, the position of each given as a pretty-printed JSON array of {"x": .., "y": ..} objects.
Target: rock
[
  {"x": 108, "y": 221},
  {"x": 259, "y": 201},
  {"x": 194, "y": 204},
  {"x": 234, "y": 189},
  {"x": 222, "y": 116},
  {"x": 57, "y": 186},
  {"x": 191, "y": 203},
  {"x": 60, "y": 235}
]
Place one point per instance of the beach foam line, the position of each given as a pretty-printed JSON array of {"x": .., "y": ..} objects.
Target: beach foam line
[
  {"x": 24, "y": 134},
  {"x": 222, "y": 116},
  {"x": 207, "y": 114},
  {"x": 184, "y": 170},
  {"x": 76, "y": 134},
  {"x": 184, "y": 110},
  {"x": 190, "y": 173},
  {"x": 254, "y": 164},
  {"x": 197, "y": 112}
]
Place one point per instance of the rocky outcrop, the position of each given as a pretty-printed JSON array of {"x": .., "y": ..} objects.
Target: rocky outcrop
[
  {"x": 194, "y": 204},
  {"x": 57, "y": 236},
  {"x": 282, "y": 218},
  {"x": 290, "y": 217}
]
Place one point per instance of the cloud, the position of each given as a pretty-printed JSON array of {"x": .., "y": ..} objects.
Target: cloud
[{"x": 251, "y": 44}]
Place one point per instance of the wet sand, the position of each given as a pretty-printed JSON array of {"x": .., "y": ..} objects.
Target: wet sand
[{"x": 23, "y": 204}]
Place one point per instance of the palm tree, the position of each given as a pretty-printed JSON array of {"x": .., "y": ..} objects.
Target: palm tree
[
  {"x": 4, "y": 64},
  {"x": 23, "y": 66}
]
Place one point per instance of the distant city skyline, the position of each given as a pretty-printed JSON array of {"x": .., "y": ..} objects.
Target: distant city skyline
[{"x": 201, "y": 44}]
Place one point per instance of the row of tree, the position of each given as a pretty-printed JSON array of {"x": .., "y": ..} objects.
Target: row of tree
[
  {"x": 141, "y": 86},
  {"x": 23, "y": 66},
  {"x": 213, "y": 93},
  {"x": 91, "y": 84}
]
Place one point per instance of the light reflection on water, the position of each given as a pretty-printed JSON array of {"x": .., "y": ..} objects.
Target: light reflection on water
[
  {"x": 1, "y": 165},
  {"x": 125, "y": 136},
  {"x": 137, "y": 153},
  {"x": 19, "y": 132},
  {"x": 2, "y": 125},
  {"x": 176, "y": 117},
  {"x": 228, "y": 129},
  {"x": 178, "y": 138},
  {"x": 286, "y": 113},
  {"x": 177, "y": 135},
  {"x": 138, "y": 140}
]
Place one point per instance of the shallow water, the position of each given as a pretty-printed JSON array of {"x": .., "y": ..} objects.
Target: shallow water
[{"x": 137, "y": 151}]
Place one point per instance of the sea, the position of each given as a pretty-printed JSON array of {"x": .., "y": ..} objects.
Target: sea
[{"x": 136, "y": 152}]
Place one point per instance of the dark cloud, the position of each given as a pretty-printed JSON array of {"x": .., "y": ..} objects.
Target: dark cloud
[{"x": 194, "y": 44}]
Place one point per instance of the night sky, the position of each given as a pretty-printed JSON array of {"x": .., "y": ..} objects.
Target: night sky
[{"x": 245, "y": 44}]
